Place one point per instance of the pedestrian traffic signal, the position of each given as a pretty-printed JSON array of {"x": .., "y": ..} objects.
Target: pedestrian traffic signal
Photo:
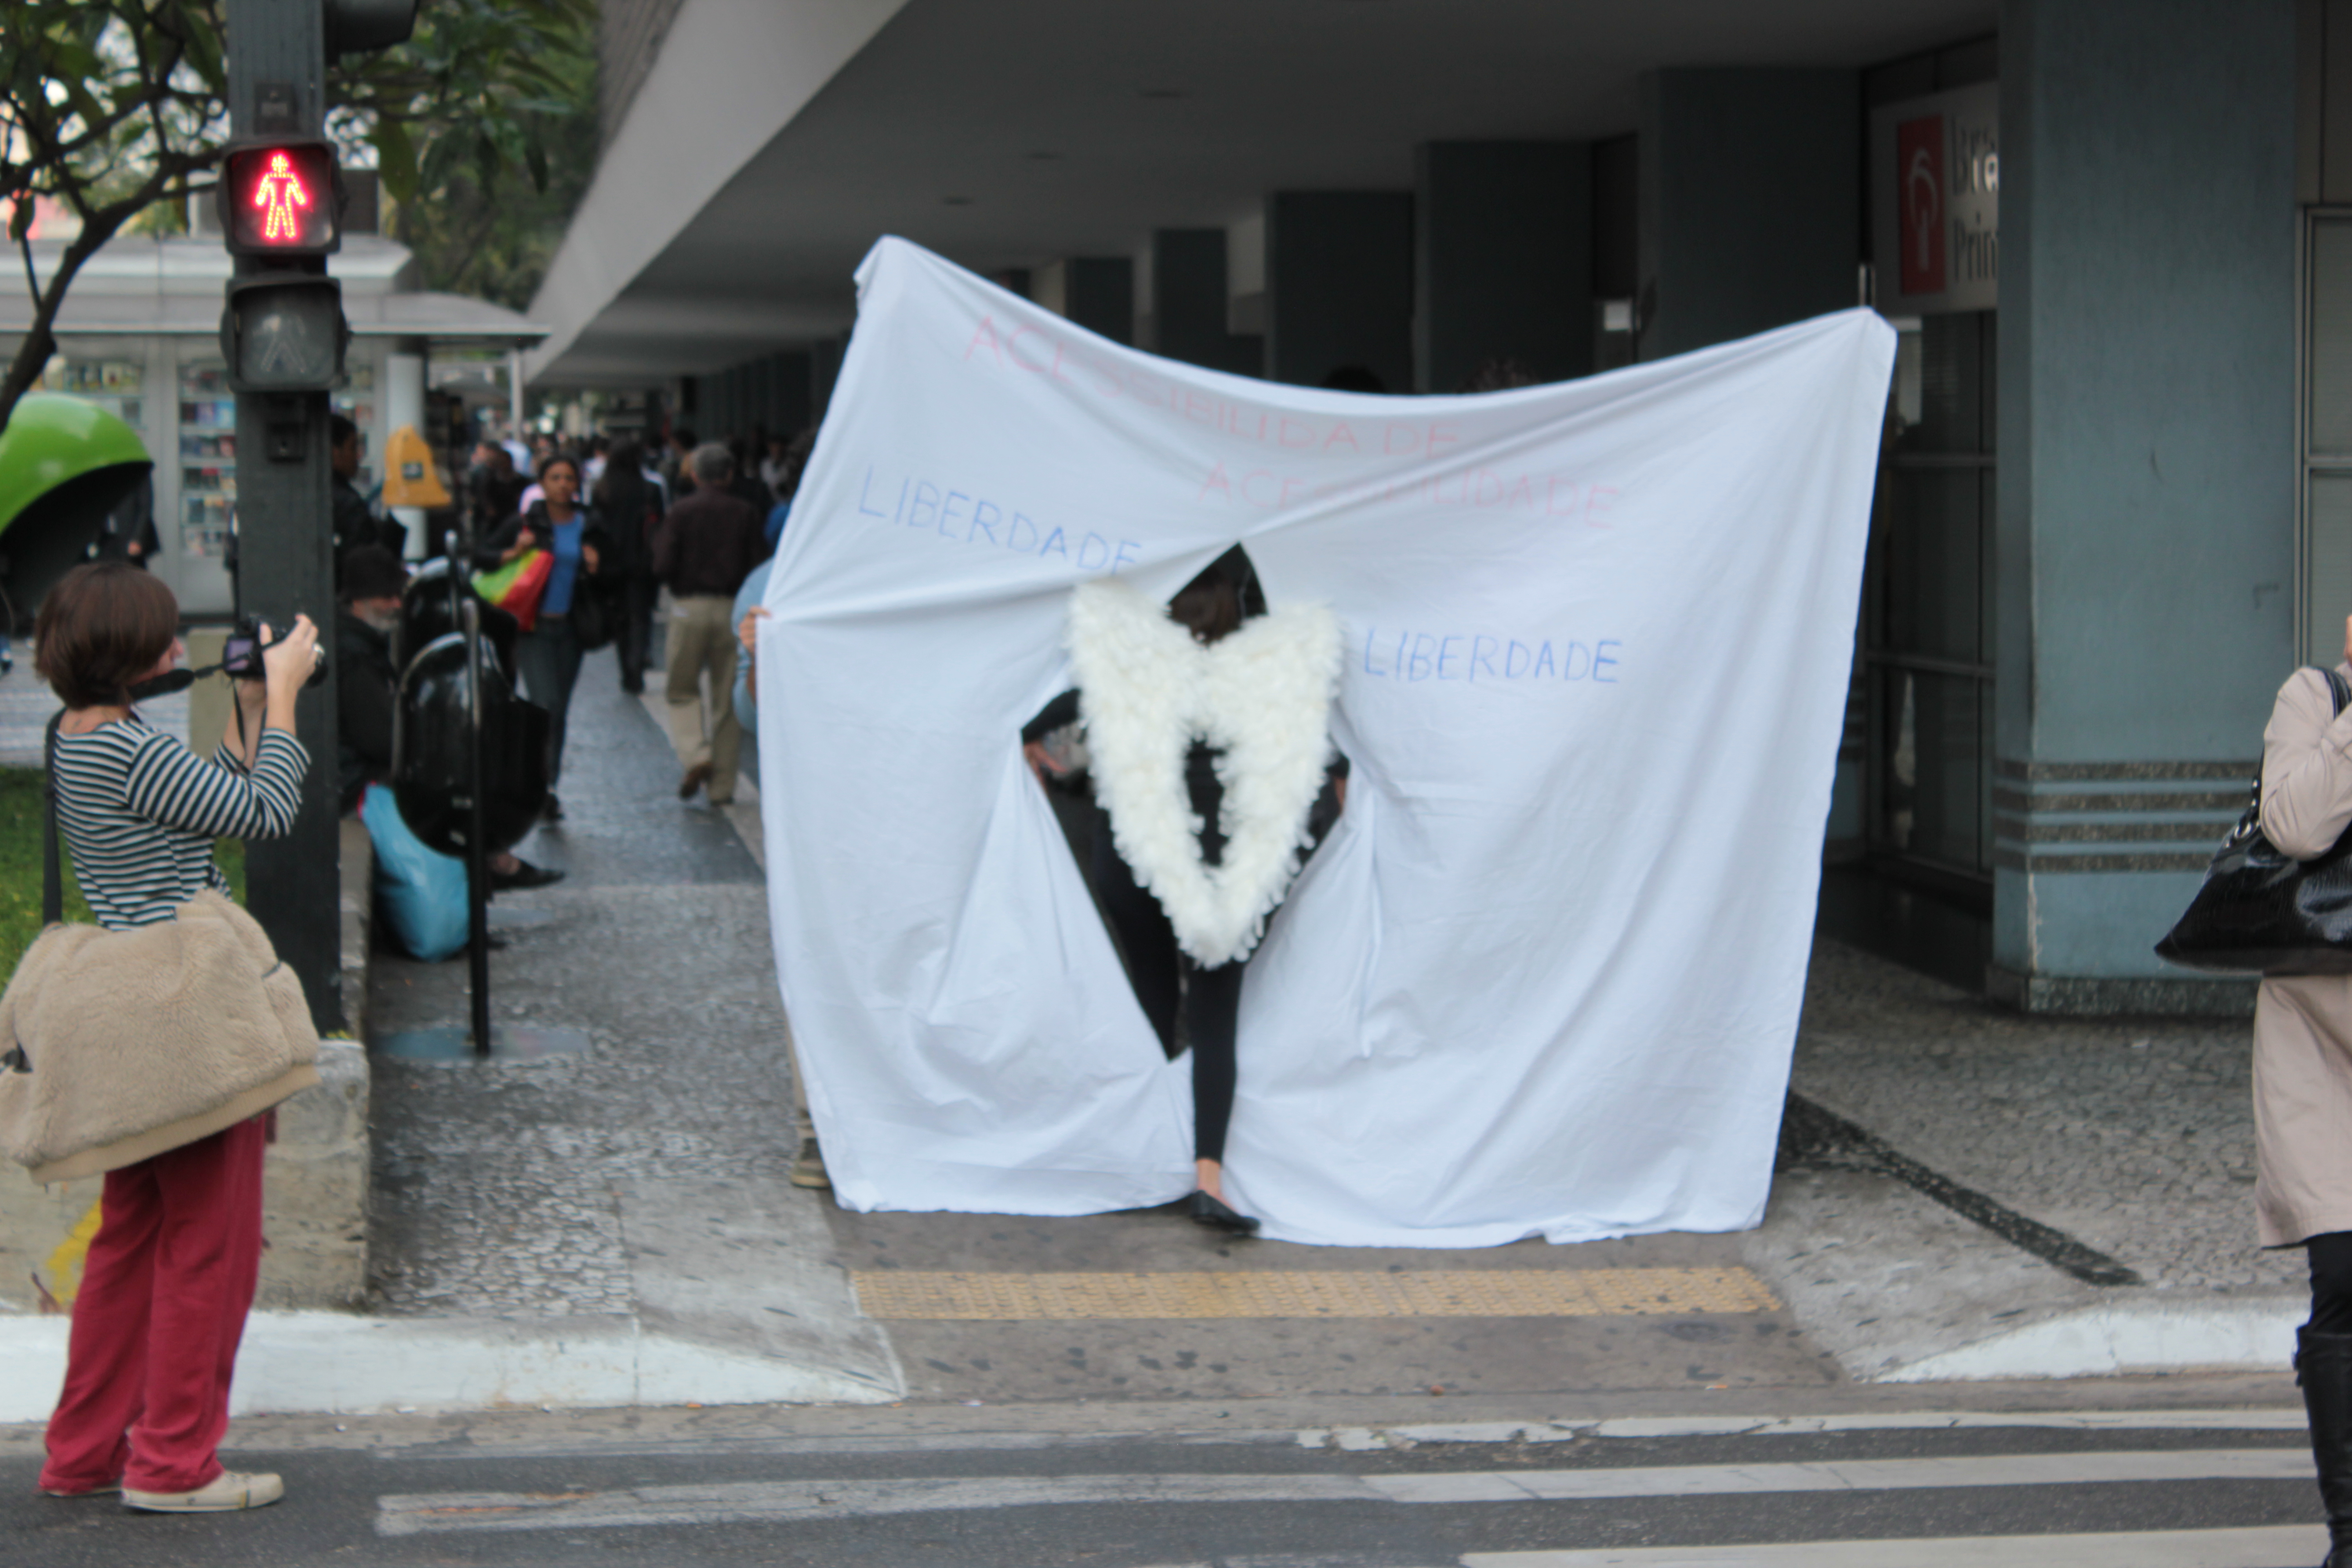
[
  {"x": 281, "y": 197},
  {"x": 283, "y": 331}
]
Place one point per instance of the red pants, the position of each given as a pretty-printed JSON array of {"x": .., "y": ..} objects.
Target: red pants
[{"x": 164, "y": 1293}]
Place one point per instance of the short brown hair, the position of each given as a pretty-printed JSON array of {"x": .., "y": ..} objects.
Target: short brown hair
[{"x": 101, "y": 628}]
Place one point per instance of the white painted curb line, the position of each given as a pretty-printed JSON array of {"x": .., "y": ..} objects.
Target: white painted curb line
[
  {"x": 326, "y": 1363},
  {"x": 2138, "y": 1337}
]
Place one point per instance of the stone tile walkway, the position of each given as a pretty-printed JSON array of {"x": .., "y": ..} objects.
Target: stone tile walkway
[
  {"x": 500, "y": 1189},
  {"x": 2133, "y": 1135}
]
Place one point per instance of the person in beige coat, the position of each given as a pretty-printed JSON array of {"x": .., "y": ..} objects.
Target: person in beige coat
[{"x": 2303, "y": 1083}]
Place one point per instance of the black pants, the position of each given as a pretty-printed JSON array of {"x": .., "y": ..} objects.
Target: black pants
[
  {"x": 2331, "y": 1282},
  {"x": 634, "y": 639},
  {"x": 1168, "y": 985},
  {"x": 549, "y": 656}
]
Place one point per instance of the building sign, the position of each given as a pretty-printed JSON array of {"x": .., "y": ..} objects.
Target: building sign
[{"x": 1935, "y": 202}]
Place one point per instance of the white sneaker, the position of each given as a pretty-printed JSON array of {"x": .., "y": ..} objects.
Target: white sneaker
[{"x": 228, "y": 1492}]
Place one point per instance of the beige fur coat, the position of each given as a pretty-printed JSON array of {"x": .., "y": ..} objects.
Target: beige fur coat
[{"x": 133, "y": 1042}]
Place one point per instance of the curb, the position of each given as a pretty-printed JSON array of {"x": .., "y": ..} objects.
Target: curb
[
  {"x": 2135, "y": 1337},
  {"x": 331, "y": 1363}
]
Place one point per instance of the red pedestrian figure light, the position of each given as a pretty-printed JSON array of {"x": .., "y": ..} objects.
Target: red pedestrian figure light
[
  {"x": 279, "y": 199},
  {"x": 278, "y": 192}
]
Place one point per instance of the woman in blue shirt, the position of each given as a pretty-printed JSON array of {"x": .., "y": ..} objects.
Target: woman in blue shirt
[{"x": 548, "y": 656}]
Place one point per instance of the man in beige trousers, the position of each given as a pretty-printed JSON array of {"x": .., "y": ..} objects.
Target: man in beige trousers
[{"x": 707, "y": 544}]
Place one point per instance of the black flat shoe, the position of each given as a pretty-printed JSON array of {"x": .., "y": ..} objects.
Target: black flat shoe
[
  {"x": 1206, "y": 1210},
  {"x": 524, "y": 875}
]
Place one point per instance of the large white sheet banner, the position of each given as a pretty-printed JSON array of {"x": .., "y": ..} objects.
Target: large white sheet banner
[{"x": 1543, "y": 978}]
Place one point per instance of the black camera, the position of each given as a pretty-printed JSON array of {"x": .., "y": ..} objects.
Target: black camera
[{"x": 241, "y": 653}]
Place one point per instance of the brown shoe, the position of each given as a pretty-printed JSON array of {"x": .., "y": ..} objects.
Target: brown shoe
[{"x": 696, "y": 777}]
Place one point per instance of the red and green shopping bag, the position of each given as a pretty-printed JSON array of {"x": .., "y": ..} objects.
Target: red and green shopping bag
[{"x": 516, "y": 588}]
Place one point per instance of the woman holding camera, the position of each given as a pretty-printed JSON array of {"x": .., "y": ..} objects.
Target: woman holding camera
[
  {"x": 171, "y": 1274},
  {"x": 548, "y": 654}
]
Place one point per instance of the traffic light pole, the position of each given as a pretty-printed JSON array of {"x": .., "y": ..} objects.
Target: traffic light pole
[{"x": 277, "y": 74}]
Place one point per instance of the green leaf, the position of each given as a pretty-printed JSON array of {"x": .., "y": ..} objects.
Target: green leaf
[
  {"x": 71, "y": 61},
  {"x": 395, "y": 159},
  {"x": 203, "y": 41}
]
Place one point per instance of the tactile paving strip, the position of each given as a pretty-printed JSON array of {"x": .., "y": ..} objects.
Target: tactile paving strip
[{"x": 1440, "y": 1293}]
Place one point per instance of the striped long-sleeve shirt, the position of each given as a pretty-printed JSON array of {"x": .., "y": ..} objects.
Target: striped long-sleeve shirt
[{"x": 139, "y": 812}]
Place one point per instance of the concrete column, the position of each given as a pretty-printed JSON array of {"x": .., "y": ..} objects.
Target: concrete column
[
  {"x": 1750, "y": 203},
  {"x": 793, "y": 390},
  {"x": 1188, "y": 303},
  {"x": 2146, "y": 429},
  {"x": 1338, "y": 285},
  {"x": 1098, "y": 294},
  {"x": 1502, "y": 260}
]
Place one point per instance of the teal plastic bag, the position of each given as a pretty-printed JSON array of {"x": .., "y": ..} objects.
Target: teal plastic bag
[{"x": 419, "y": 893}]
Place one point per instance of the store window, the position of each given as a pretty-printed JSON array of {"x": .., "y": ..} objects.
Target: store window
[
  {"x": 207, "y": 458},
  {"x": 115, "y": 384}
]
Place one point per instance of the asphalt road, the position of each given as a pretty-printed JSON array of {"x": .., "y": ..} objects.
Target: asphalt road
[{"x": 2214, "y": 1489}]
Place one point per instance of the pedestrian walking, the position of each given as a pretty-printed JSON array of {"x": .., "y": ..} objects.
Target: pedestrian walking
[
  {"x": 2303, "y": 1083},
  {"x": 128, "y": 533},
  {"x": 630, "y": 503},
  {"x": 677, "y": 461},
  {"x": 357, "y": 525},
  {"x": 170, "y": 1276},
  {"x": 548, "y": 656},
  {"x": 787, "y": 483},
  {"x": 707, "y": 543},
  {"x": 493, "y": 488}
]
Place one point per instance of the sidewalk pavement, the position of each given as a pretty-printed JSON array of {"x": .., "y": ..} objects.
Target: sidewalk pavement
[{"x": 1966, "y": 1193}]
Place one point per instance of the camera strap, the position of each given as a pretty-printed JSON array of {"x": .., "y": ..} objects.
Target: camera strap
[{"x": 170, "y": 681}]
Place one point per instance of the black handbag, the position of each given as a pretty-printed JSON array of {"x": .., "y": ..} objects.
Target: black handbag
[
  {"x": 2262, "y": 910},
  {"x": 594, "y": 618}
]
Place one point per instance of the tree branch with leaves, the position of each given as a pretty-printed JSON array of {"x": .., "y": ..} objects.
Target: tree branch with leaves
[{"x": 110, "y": 106}]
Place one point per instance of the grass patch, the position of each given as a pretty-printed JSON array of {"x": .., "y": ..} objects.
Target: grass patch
[{"x": 20, "y": 866}]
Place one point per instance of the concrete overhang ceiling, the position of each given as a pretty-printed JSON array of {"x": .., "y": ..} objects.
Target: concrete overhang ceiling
[{"x": 773, "y": 143}]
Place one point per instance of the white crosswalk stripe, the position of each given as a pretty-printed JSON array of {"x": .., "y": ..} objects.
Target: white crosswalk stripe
[
  {"x": 1854, "y": 1475},
  {"x": 806, "y": 1501},
  {"x": 2288, "y": 1546}
]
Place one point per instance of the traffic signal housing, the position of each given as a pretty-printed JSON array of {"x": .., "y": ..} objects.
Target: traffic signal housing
[
  {"x": 281, "y": 196},
  {"x": 362, "y": 27},
  {"x": 283, "y": 331}
]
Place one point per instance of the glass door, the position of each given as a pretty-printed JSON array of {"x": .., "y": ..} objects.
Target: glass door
[{"x": 1927, "y": 623}]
